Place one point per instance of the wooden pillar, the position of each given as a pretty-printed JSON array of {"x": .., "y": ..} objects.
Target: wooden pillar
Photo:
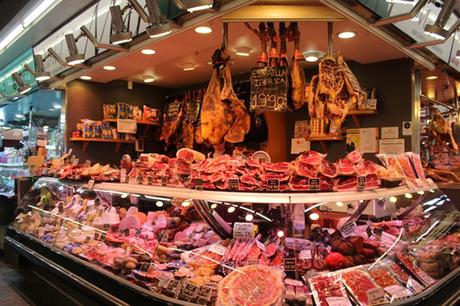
[{"x": 277, "y": 145}]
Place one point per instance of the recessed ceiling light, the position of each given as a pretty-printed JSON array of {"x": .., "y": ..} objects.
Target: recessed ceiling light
[
  {"x": 188, "y": 67},
  {"x": 346, "y": 34},
  {"x": 148, "y": 51},
  {"x": 148, "y": 78},
  {"x": 85, "y": 77},
  {"x": 243, "y": 51},
  {"x": 203, "y": 30},
  {"x": 432, "y": 77},
  {"x": 19, "y": 116},
  {"x": 312, "y": 56},
  {"x": 110, "y": 68}
]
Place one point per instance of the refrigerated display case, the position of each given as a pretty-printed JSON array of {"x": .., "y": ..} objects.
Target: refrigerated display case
[{"x": 132, "y": 244}]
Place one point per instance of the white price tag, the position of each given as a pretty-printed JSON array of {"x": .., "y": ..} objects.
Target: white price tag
[
  {"x": 243, "y": 230},
  {"x": 217, "y": 249},
  {"x": 123, "y": 176},
  {"x": 397, "y": 291},
  {"x": 376, "y": 296},
  {"x": 305, "y": 255},
  {"x": 127, "y": 126},
  {"x": 347, "y": 229},
  {"x": 337, "y": 301},
  {"x": 261, "y": 246},
  {"x": 90, "y": 184}
]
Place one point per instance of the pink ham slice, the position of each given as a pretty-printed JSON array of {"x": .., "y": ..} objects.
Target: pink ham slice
[
  {"x": 354, "y": 156},
  {"x": 345, "y": 167},
  {"x": 311, "y": 157},
  {"x": 305, "y": 170},
  {"x": 277, "y": 167},
  {"x": 328, "y": 169},
  {"x": 190, "y": 155},
  {"x": 365, "y": 167}
]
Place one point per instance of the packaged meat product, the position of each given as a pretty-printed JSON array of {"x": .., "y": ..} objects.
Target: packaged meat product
[
  {"x": 360, "y": 284},
  {"x": 406, "y": 166},
  {"x": 124, "y": 111},
  {"x": 327, "y": 289},
  {"x": 409, "y": 263},
  {"x": 150, "y": 114},
  {"x": 237, "y": 288},
  {"x": 382, "y": 276},
  {"x": 109, "y": 111},
  {"x": 416, "y": 163}
]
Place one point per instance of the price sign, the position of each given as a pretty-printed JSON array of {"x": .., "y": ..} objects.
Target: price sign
[
  {"x": 189, "y": 290},
  {"x": 149, "y": 180},
  {"x": 376, "y": 296},
  {"x": 138, "y": 232},
  {"x": 139, "y": 179},
  {"x": 173, "y": 285},
  {"x": 183, "y": 178},
  {"x": 164, "y": 181},
  {"x": 273, "y": 185},
  {"x": 305, "y": 255},
  {"x": 397, "y": 291},
  {"x": 269, "y": 89},
  {"x": 106, "y": 227},
  {"x": 126, "y": 232},
  {"x": 243, "y": 230},
  {"x": 198, "y": 182},
  {"x": 217, "y": 249},
  {"x": 347, "y": 229},
  {"x": 314, "y": 184},
  {"x": 204, "y": 292},
  {"x": 289, "y": 265},
  {"x": 90, "y": 185},
  {"x": 87, "y": 239},
  {"x": 362, "y": 182},
  {"x": 123, "y": 176},
  {"x": 233, "y": 184}
]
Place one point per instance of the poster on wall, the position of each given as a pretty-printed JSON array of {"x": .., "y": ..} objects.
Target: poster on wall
[
  {"x": 391, "y": 146},
  {"x": 390, "y": 132},
  {"x": 364, "y": 140},
  {"x": 301, "y": 129},
  {"x": 299, "y": 145}
]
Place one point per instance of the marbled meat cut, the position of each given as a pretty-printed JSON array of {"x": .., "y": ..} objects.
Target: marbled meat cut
[
  {"x": 354, "y": 156},
  {"x": 345, "y": 167},
  {"x": 242, "y": 122},
  {"x": 328, "y": 169},
  {"x": 311, "y": 157},
  {"x": 351, "y": 183},
  {"x": 254, "y": 285},
  {"x": 190, "y": 155},
  {"x": 304, "y": 169}
]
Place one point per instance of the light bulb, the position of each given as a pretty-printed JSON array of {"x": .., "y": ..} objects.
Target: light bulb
[
  {"x": 393, "y": 199},
  {"x": 159, "y": 204},
  {"x": 249, "y": 217}
]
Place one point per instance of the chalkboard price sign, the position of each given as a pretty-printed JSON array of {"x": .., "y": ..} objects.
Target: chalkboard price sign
[{"x": 269, "y": 89}]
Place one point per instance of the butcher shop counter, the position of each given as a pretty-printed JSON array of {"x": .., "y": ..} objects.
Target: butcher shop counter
[{"x": 133, "y": 244}]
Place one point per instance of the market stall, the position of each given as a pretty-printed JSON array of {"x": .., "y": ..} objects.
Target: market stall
[{"x": 269, "y": 163}]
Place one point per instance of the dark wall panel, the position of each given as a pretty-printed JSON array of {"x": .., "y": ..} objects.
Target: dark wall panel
[{"x": 85, "y": 100}]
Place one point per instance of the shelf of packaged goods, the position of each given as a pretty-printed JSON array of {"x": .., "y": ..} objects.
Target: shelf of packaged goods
[
  {"x": 87, "y": 141},
  {"x": 138, "y": 122},
  {"x": 260, "y": 197}
]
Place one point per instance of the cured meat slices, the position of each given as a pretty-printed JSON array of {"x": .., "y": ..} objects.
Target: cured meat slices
[
  {"x": 305, "y": 170},
  {"x": 354, "y": 156},
  {"x": 311, "y": 157},
  {"x": 345, "y": 167},
  {"x": 277, "y": 167},
  {"x": 190, "y": 155},
  {"x": 328, "y": 169}
]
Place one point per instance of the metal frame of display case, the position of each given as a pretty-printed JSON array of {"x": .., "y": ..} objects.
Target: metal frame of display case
[{"x": 116, "y": 290}]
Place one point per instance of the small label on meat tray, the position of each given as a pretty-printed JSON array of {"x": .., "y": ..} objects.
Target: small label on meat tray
[
  {"x": 123, "y": 176},
  {"x": 273, "y": 185},
  {"x": 183, "y": 178},
  {"x": 362, "y": 182},
  {"x": 217, "y": 249},
  {"x": 106, "y": 227},
  {"x": 289, "y": 265},
  {"x": 90, "y": 185},
  {"x": 164, "y": 181},
  {"x": 233, "y": 184},
  {"x": 337, "y": 301},
  {"x": 243, "y": 230},
  {"x": 126, "y": 231},
  {"x": 397, "y": 291},
  {"x": 149, "y": 180},
  {"x": 376, "y": 296},
  {"x": 348, "y": 229},
  {"x": 314, "y": 184}
]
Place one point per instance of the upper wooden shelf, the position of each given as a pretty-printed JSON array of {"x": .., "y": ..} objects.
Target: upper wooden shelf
[
  {"x": 86, "y": 141},
  {"x": 138, "y": 122},
  {"x": 362, "y": 112}
]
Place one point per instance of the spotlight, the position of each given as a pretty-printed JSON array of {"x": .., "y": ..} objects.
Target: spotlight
[
  {"x": 231, "y": 209},
  {"x": 314, "y": 216},
  {"x": 393, "y": 199},
  {"x": 23, "y": 87},
  {"x": 148, "y": 51},
  {"x": 188, "y": 67},
  {"x": 339, "y": 204},
  {"x": 109, "y": 68},
  {"x": 39, "y": 73},
  {"x": 431, "y": 77},
  {"x": 437, "y": 30},
  {"x": 185, "y": 203},
  {"x": 148, "y": 79},
  {"x": 249, "y": 217},
  {"x": 194, "y": 5},
  {"x": 213, "y": 206},
  {"x": 346, "y": 34},
  {"x": 120, "y": 35},
  {"x": 312, "y": 56},
  {"x": 56, "y": 57},
  {"x": 159, "y": 25},
  {"x": 84, "y": 30},
  {"x": 159, "y": 204},
  {"x": 280, "y": 234},
  {"x": 408, "y": 196},
  {"x": 243, "y": 51},
  {"x": 203, "y": 30},
  {"x": 86, "y": 77},
  {"x": 74, "y": 57}
]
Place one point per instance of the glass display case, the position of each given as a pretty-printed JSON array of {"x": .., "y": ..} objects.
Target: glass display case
[
  {"x": 181, "y": 246},
  {"x": 8, "y": 173}
]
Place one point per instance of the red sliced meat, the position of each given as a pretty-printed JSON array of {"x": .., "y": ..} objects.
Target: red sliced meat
[
  {"x": 249, "y": 180},
  {"x": 305, "y": 170},
  {"x": 354, "y": 156},
  {"x": 277, "y": 167},
  {"x": 298, "y": 183},
  {"x": 365, "y": 167},
  {"x": 345, "y": 167},
  {"x": 311, "y": 157},
  {"x": 328, "y": 169},
  {"x": 250, "y": 162},
  {"x": 326, "y": 184},
  {"x": 282, "y": 177}
]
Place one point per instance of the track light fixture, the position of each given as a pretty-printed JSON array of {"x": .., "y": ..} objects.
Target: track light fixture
[
  {"x": 39, "y": 73},
  {"x": 119, "y": 34},
  {"x": 438, "y": 41},
  {"x": 437, "y": 29},
  {"x": 56, "y": 57},
  {"x": 23, "y": 87},
  {"x": 159, "y": 25},
  {"x": 406, "y": 16},
  {"x": 86, "y": 32},
  {"x": 74, "y": 57},
  {"x": 194, "y": 5}
]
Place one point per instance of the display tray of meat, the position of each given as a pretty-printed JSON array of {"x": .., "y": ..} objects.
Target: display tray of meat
[
  {"x": 382, "y": 276},
  {"x": 327, "y": 290},
  {"x": 409, "y": 262},
  {"x": 362, "y": 288}
]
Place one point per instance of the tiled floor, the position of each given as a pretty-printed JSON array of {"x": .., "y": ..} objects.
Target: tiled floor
[{"x": 11, "y": 287}]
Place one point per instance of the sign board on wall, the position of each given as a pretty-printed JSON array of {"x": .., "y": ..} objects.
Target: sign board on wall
[
  {"x": 390, "y": 132},
  {"x": 269, "y": 89},
  {"x": 392, "y": 146},
  {"x": 364, "y": 140}
]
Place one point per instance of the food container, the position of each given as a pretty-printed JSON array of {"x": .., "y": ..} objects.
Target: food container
[
  {"x": 362, "y": 287},
  {"x": 327, "y": 289}
]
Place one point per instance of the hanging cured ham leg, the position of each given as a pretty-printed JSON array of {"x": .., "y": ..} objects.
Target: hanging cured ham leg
[{"x": 297, "y": 73}]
